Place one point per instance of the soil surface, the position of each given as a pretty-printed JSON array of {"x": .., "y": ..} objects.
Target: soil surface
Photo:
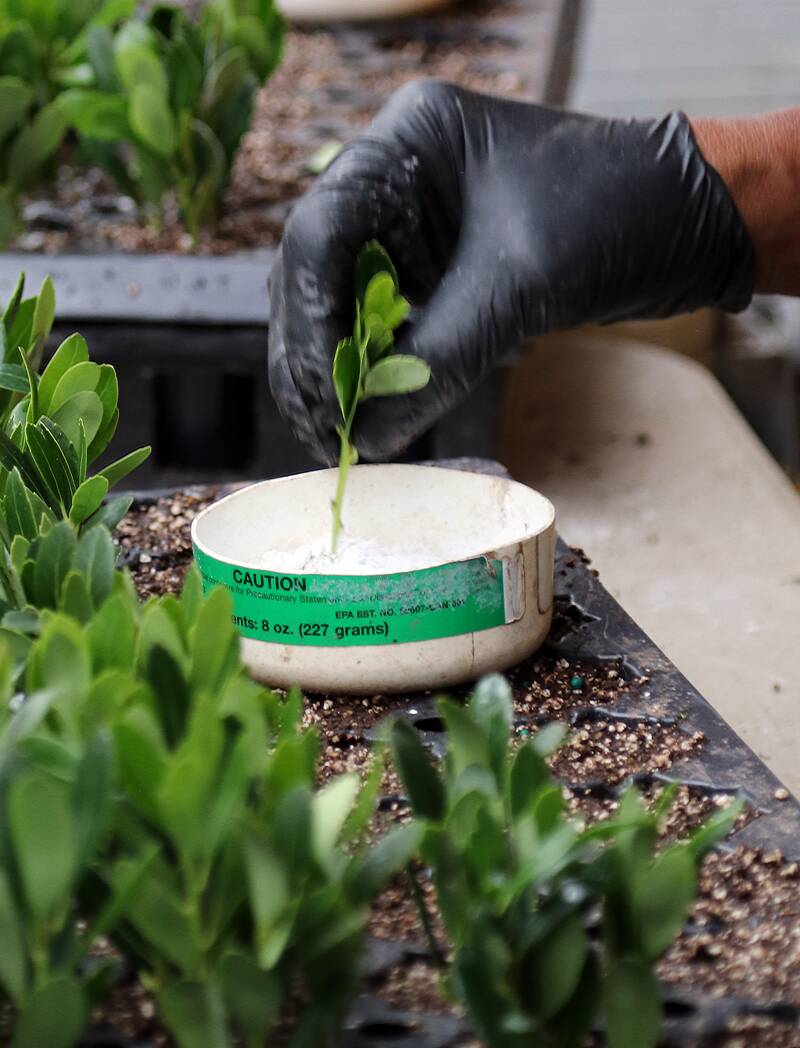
[
  {"x": 327, "y": 89},
  {"x": 743, "y": 938}
]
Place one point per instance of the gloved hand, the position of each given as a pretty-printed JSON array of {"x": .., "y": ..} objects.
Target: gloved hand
[{"x": 504, "y": 220}]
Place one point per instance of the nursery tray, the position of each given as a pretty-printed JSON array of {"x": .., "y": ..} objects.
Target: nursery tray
[
  {"x": 187, "y": 333},
  {"x": 629, "y": 687}
]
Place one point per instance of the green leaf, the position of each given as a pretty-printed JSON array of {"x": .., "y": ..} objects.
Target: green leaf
[
  {"x": 22, "y": 508},
  {"x": 110, "y": 514},
  {"x": 10, "y": 225},
  {"x": 124, "y": 884},
  {"x": 420, "y": 779},
  {"x": 82, "y": 454},
  {"x": 262, "y": 35},
  {"x": 292, "y": 831},
  {"x": 59, "y": 660},
  {"x": 120, "y": 469},
  {"x": 95, "y": 558},
  {"x": 156, "y": 911},
  {"x": 84, "y": 407},
  {"x": 379, "y": 296},
  {"x": 136, "y": 57},
  {"x": 346, "y": 375},
  {"x": 93, "y": 796},
  {"x": 45, "y": 312},
  {"x": 330, "y": 808},
  {"x": 215, "y": 643},
  {"x": 13, "y": 304},
  {"x": 396, "y": 375},
  {"x": 556, "y": 965},
  {"x": 467, "y": 743},
  {"x": 14, "y": 378},
  {"x": 77, "y": 379},
  {"x": 13, "y": 960},
  {"x": 44, "y": 841},
  {"x": 662, "y": 898},
  {"x": 549, "y": 809},
  {"x": 35, "y": 144},
  {"x": 184, "y": 792},
  {"x": 55, "y": 1015},
  {"x": 15, "y": 99},
  {"x": 33, "y": 392},
  {"x": 632, "y": 1004},
  {"x": 151, "y": 120},
  {"x": 53, "y": 561},
  {"x": 72, "y": 351},
  {"x": 269, "y": 894},
  {"x": 97, "y": 116},
  {"x": 50, "y": 468},
  {"x": 172, "y": 692},
  {"x": 142, "y": 759},
  {"x": 88, "y": 499},
  {"x": 195, "y": 1014},
  {"x": 492, "y": 708},
  {"x": 253, "y": 996},
  {"x": 372, "y": 260},
  {"x": 11, "y": 457},
  {"x": 75, "y": 598},
  {"x": 102, "y": 439},
  {"x": 112, "y": 635},
  {"x": 62, "y": 450},
  {"x": 389, "y": 856},
  {"x": 529, "y": 774},
  {"x": 572, "y": 1024},
  {"x": 481, "y": 990},
  {"x": 100, "y": 51},
  {"x": 192, "y": 595},
  {"x": 19, "y": 334}
]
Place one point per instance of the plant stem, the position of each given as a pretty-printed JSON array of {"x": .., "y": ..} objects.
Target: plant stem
[
  {"x": 347, "y": 456},
  {"x": 425, "y": 919}
]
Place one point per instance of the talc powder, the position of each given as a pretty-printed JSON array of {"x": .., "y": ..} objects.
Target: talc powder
[{"x": 354, "y": 556}]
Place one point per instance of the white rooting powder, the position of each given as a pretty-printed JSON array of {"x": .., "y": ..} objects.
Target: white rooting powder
[{"x": 352, "y": 557}]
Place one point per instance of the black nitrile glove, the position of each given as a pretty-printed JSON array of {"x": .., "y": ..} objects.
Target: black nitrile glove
[{"x": 504, "y": 220}]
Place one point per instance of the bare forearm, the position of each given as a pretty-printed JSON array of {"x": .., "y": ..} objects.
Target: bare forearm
[{"x": 758, "y": 158}]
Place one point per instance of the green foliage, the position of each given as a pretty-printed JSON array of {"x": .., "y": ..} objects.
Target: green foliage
[
  {"x": 149, "y": 791},
  {"x": 42, "y": 53},
  {"x": 45, "y": 43},
  {"x": 55, "y": 813},
  {"x": 54, "y": 433},
  {"x": 169, "y": 100},
  {"x": 25, "y": 323},
  {"x": 226, "y": 876},
  {"x": 29, "y": 136},
  {"x": 56, "y": 552},
  {"x": 519, "y": 884},
  {"x": 365, "y": 364}
]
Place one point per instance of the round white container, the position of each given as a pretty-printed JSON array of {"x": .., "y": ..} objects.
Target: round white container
[
  {"x": 355, "y": 10},
  {"x": 465, "y": 584}
]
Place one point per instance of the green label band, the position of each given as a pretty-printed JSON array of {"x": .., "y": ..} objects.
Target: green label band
[{"x": 351, "y": 610}]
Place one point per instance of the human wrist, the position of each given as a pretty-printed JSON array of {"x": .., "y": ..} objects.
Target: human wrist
[{"x": 758, "y": 159}]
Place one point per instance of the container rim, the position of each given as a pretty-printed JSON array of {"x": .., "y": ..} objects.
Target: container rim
[{"x": 547, "y": 506}]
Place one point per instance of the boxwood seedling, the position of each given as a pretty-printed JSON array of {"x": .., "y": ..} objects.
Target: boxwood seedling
[
  {"x": 365, "y": 364},
  {"x": 169, "y": 98},
  {"x": 25, "y": 323},
  {"x": 52, "y": 436},
  {"x": 521, "y": 884}
]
